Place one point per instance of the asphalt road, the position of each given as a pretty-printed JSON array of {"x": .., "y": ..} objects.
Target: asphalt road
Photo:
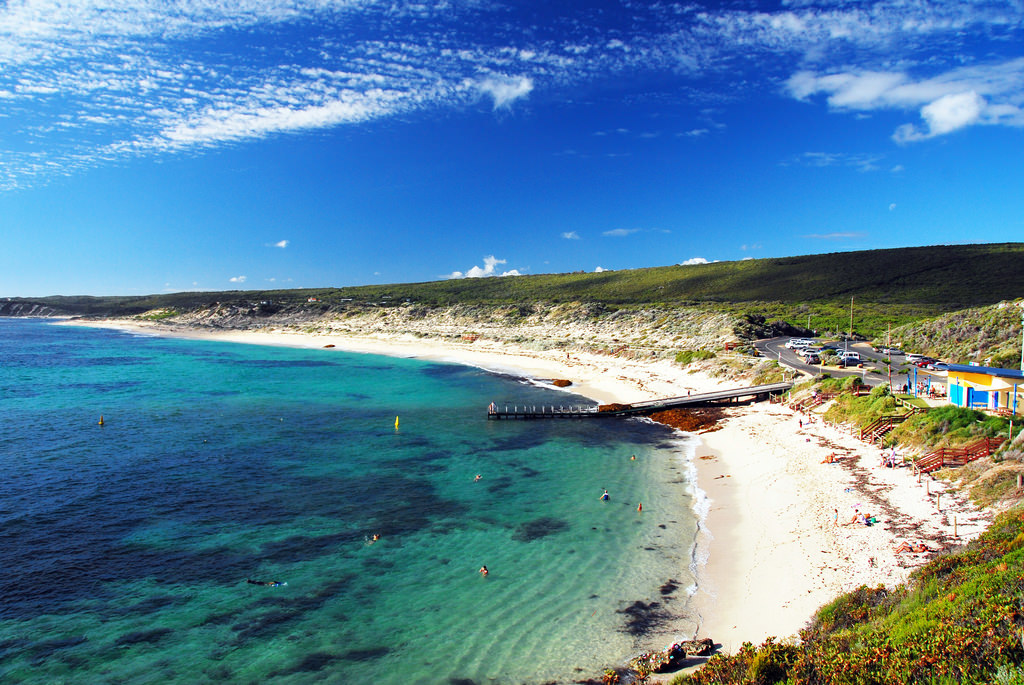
[{"x": 873, "y": 373}]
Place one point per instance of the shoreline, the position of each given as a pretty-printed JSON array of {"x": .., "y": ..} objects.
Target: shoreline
[{"x": 769, "y": 553}]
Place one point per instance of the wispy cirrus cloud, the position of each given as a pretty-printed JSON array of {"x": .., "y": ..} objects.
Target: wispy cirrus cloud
[
  {"x": 835, "y": 236},
  {"x": 620, "y": 232},
  {"x": 95, "y": 81},
  {"x": 860, "y": 162}
]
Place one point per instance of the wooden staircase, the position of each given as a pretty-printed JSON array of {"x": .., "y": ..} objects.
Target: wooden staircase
[
  {"x": 957, "y": 456},
  {"x": 877, "y": 429}
]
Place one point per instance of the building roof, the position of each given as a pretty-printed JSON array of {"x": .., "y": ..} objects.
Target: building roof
[{"x": 986, "y": 370}]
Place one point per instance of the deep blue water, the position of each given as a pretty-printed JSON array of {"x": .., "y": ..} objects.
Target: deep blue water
[{"x": 126, "y": 547}]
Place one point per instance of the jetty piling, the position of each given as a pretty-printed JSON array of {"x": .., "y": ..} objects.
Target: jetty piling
[{"x": 755, "y": 393}]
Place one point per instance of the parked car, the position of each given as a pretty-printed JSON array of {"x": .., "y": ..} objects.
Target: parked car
[
  {"x": 798, "y": 342},
  {"x": 848, "y": 354},
  {"x": 937, "y": 366},
  {"x": 812, "y": 358},
  {"x": 849, "y": 361}
]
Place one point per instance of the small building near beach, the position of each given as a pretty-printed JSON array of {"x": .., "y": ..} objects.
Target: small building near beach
[{"x": 986, "y": 387}]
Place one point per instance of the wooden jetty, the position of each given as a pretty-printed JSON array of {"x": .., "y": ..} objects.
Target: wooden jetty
[{"x": 754, "y": 393}]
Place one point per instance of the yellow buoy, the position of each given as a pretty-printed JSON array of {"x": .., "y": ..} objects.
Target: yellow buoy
[
  {"x": 396, "y": 423},
  {"x": 101, "y": 420}
]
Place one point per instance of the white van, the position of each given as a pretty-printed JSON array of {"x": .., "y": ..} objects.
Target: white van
[{"x": 846, "y": 354}]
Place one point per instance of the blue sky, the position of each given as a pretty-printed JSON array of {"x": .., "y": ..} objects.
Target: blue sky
[{"x": 154, "y": 146}]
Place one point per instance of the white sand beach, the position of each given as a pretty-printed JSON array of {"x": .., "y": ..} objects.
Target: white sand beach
[{"x": 774, "y": 553}]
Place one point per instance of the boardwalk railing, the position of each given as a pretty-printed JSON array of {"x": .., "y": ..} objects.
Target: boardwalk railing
[
  {"x": 957, "y": 456},
  {"x": 513, "y": 411}
]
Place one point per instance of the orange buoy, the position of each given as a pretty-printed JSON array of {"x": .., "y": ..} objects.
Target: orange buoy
[
  {"x": 640, "y": 507},
  {"x": 101, "y": 420}
]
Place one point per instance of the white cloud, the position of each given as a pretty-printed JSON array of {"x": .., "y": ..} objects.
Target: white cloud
[
  {"x": 947, "y": 114},
  {"x": 488, "y": 269},
  {"x": 892, "y": 206},
  {"x": 506, "y": 89},
  {"x": 237, "y": 279},
  {"x": 600, "y": 270},
  {"x": 979, "y": 94},
  {"x": 281, "y": 243},
  {"x": 571, "y": 235},
  {"x": 621, "y": 232},
  {"x": 693, "y": 261}
]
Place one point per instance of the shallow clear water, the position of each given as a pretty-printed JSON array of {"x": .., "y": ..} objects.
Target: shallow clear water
[{"x": 126, "y": 547}]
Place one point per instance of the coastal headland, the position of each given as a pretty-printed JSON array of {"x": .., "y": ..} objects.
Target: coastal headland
[{"x": 783, "y": 488}]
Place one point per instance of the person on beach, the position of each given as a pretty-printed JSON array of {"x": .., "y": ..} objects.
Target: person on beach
[
  {"x": 854, "y": 518},
  {"x": 484, "y": 571},
  {"x": 835, "y": 517},
  {"x": 913, "y": 549},
  {"x": 604, "y": 497}
]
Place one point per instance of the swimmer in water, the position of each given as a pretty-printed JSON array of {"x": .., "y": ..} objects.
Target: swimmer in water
[
  {"x": 605, "y": 495},
  {"x": 484, "y": 571},
  {"x": 268, "y": 583},
  {"x": 478, "y": 477}
]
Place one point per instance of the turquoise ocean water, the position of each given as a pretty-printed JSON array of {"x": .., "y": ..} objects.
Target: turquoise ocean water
[{"x": 125, "y": 548}]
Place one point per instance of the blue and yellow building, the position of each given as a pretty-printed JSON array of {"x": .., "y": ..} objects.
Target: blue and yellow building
[{"x": 985, "y": 387}]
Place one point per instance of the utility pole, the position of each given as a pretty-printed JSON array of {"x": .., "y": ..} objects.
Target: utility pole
[
  {"x": 888, "y": 354},
  {"x": 847, "y": 346}
]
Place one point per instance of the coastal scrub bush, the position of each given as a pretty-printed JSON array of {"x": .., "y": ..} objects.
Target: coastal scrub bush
[
  {"x": 688, "y": 356},
  {"x": 949, "y": 426}
]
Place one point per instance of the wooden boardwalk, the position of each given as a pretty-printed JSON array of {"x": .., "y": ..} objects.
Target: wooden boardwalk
[{"x": 750, "y": 394}]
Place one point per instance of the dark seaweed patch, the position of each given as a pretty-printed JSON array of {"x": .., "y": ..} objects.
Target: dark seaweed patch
[
  {"x": 142, "y": 637},
  {"x": 365, "y": 654},
  {"x": 148, "y": 606},
  {"x": 539, "y": 528},
  {"x": 301, "y": 547},
  {"x": 41, "y": 651},
  {"x": 268, "y": 623},
  {"x": 314, "y": 662},
  {"x": 642, "y": 617},
  {"x": 669, "y": 587}
]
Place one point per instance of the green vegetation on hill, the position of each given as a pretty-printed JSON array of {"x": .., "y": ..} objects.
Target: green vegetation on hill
[
  {"x": 889, "y": 287},
  {"x": 989, "y": 335}
]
